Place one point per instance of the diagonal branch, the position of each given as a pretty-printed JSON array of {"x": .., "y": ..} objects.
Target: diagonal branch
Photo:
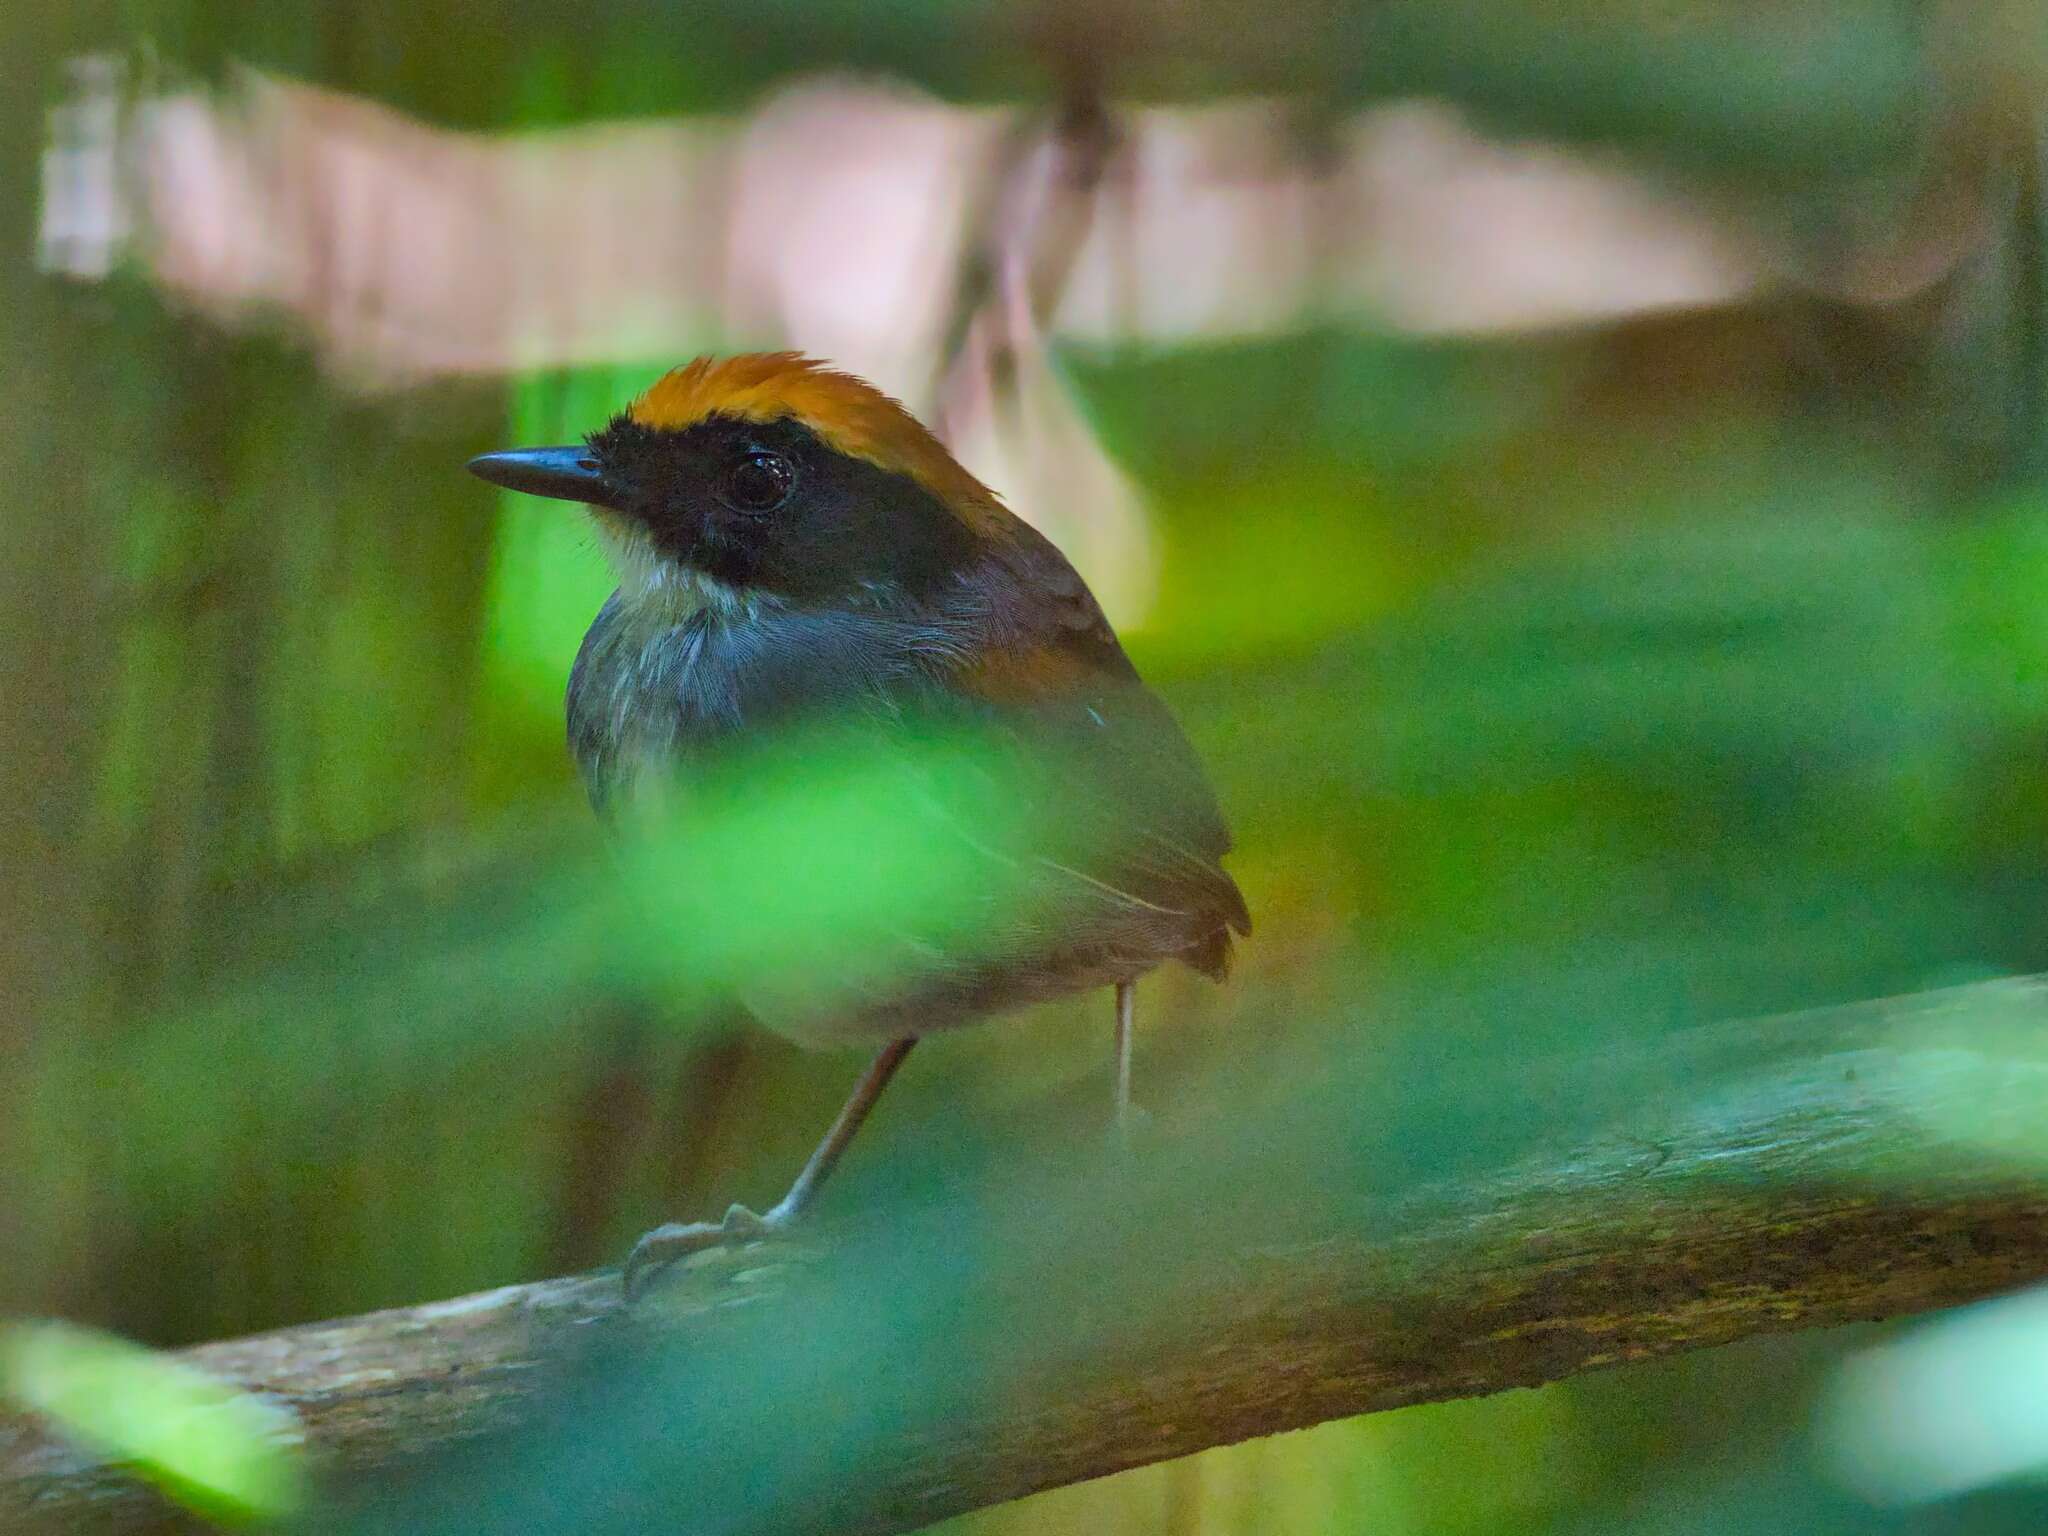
[{"x": 1850, "y": 1164}]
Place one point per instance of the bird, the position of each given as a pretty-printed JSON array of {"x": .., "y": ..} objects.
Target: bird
[{"x": 791, "y": 543}]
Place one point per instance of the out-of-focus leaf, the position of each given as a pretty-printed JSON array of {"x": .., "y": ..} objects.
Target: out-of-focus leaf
[
  {"x": 224, "y": 1452},
  {"x": 1951, "y": 1406},
  {"x": 2007, "y": 1117},
  {"x": 806, "y": 868}
]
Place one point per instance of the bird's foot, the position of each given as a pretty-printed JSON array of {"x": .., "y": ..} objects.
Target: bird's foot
[{"x": 675, "y": 1240}]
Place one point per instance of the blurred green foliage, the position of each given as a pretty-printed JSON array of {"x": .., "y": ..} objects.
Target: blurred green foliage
[
  {"x": 1823, "y": 86},
  {"x": 226, "y": 1454},
  {"x": 1551, "y": 714}
]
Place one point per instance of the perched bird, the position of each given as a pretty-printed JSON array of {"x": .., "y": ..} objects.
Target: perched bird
[{"x": 792, "y": 543}]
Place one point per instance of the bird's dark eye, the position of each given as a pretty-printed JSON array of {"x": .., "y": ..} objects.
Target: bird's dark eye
[{"x": 759, "y": 482}]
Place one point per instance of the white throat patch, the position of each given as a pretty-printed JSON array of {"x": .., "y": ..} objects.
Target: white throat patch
[{"x": 659, "y": 587}]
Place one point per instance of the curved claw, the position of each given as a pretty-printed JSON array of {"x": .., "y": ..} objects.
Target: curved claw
[{"x": 675, "y": 1240}]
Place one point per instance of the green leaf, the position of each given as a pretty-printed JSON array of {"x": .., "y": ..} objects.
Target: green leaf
[{"x": 228, "y": 1454}]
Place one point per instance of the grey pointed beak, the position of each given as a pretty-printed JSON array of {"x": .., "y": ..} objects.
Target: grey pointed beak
[{"x": 567, "y": 474}]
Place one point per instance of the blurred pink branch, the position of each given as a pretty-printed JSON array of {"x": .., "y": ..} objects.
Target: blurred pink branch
[{"x": 833, "y": 215}]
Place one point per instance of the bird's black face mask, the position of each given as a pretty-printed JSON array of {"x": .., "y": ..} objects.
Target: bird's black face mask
[{"x": 761, "y": 508}]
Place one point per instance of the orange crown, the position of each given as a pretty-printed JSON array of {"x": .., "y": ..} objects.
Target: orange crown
[{"x": 848, "y": 415}]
